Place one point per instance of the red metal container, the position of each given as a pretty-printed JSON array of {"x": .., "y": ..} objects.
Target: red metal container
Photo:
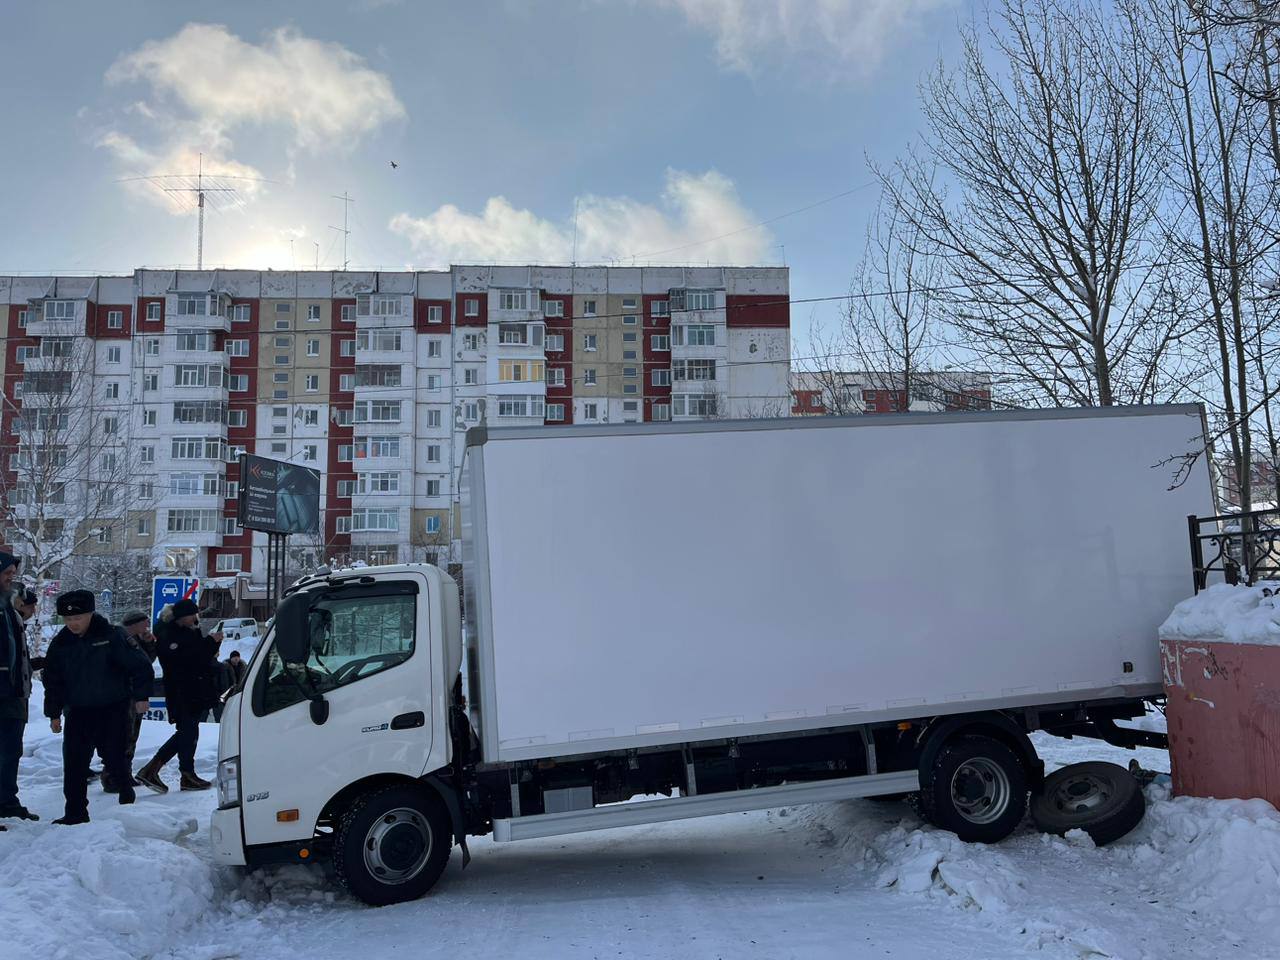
[{"x": 1224, "y": 718}]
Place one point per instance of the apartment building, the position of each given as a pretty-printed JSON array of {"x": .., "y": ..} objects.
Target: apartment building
[
  {"x": 371, "y": 378},
  {"x": 818, "y": 393}
]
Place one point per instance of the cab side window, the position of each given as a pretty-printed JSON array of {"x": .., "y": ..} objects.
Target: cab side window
[{"x": 352, "y": 636}]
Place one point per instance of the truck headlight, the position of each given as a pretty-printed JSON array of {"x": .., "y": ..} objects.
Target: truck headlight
[{"x": 229, "y": 783}]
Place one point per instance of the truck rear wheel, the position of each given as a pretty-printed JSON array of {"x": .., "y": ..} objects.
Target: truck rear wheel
[
  {"x": 392, "y": 844},
  {"x": 978, "y": 790}
]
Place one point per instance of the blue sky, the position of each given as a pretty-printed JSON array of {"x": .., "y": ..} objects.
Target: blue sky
[{"x": 666, "y": 123}]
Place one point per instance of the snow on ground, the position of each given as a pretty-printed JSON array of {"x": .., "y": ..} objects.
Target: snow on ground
[
  {"x": 1234, "y": 614},
  {"x": 1197, "y": 879}
]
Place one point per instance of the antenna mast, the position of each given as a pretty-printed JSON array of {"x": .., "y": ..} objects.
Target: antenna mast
[{"x": 343, "y": 229}]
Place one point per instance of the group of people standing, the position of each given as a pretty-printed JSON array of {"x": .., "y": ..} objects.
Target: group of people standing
[{"x": 98, "y": 681}]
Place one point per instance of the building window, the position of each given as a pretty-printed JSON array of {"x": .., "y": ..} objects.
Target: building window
[
  {"x": 375, "y": 447},
  {"x": 150, "y": 381},
  {"x": 375, "y": 520},
  {"x": 693, "y": 405},
  {"x": 662, "y": 411},
  {"x": 699, "y": 300},
  {"x": 347, "y": 314},
  {"x": 279, "y": 448},
  {"x": 346, "y": 488},
  {"x": 433, "y": 418},
  {"x": 660, "y": 378},
  {"x": 433, "y": 382},
  {"x": 629, "y": 336},
  {"x": 227, "y": 563},
  {"x": 471, "y": 341},
  {"x": 471, "y": 307},
  {"x": 113, "y": 354},
  {"x": 590, "y": 411},
  {"x": 660, "y": 308},
  {"x": 282, "y": 323},
  {"x": 513, "y": 299},
  {"x": 433, "y": 347},
  {"x": 313, "y": 347},
  {"x": 432, "y": 525},
  {"x": 435, "y": 313},
  {"x": 104, "y": 535},
  {"x": 518, "y": 371},
  {"x": 589, "y": 377},
  {"x": 279, "y": 378},
  {"x": 660, "y": 342},
  {"x": 309, "y": 452},
  {"x": 313, "y": 382},
  {"x": 115, "y": 319},
  {"x": 555, "y": 376},
  {"x": 284, "y": 308},
  {"x": 521, "y": 407},
  {"x": 693, "y": 370},
  {"x": 147, "y": 453},
  {"x": 113, "y": 391},
  {"x": 629, "y": 319},
  {"x": 198, "y": 448},
  {"x": 694, "y": 335},
  {"x": 282, "y": 360},
  {"x": 241, "y": 312},
  {"x": 433, "y": 453},
  {"x": 346, "y": 381},
  {"x": 237, "y": 348},
  {"x": 555, "y": 412},
  {"x": 378, "y": 340},
  {"x": 629, "y": 388},
  {"x": 343, "y": 416},
  {"x": 433, "y": 488},
  {"x": 147, "y": 490},
  {"x": 230, "y": 528},
  {"x": 346, "y": 452},
  {"x": 588, "y": 341},
  {"x": 153, "y": 346},
  {"x": 553, "y": 308},
  {"x": 377, "y": 411},
  {"x": 193, "y": 341},
  {"x": 311, "y": 418},
  {"x": 238, "y": 382},
  {"x": 628, "y": 303},
  {"x": 192, "y": 521},
  {"x": 153, "y": 310},
  {"x": 588, "y": 308},
  {"x": 110, "y": 426},
  {"x": 470, "y": 376},
  {"x": 22, "y": 319},
  {"x": 233, "y": 490},
  {"x": 471, "y": 411},
  {"x": 280, "y": 429},
  {"x": 192, "y": 305},
  {"x": 379, "y": 483},
  {"x": 238, "y": 418},
  {"x": 379, "y": 305},
  {"x": 144, "y": 526},
  {"x": 59, "y": 310},
  {"x": 313, "y": 311},
  {"x": 56, "y": 346},
  {"x": 149, "y": 418},
  {"x": 555, "y": 342}
]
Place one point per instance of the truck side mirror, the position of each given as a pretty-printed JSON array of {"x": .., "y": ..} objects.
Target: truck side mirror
[{"x": 293, "y": 638}]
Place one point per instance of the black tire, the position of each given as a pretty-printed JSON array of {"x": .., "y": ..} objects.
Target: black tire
[
  {"x": 977, "y": 790},
  {"x": 1102, "y": 799},
  {"x": 392, "y": 844}
]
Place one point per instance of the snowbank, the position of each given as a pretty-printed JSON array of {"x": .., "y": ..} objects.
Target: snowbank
[{"x": 1228, "y": 614}]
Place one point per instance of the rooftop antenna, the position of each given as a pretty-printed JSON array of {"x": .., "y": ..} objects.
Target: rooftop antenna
[
  {"x": 198, "y": 192},
  {"x": 574, "y": 262},
  {"x": 346, "y": 200}
]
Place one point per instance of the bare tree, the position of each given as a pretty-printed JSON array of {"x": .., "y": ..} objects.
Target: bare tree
[
  {"x": 1040, "y": 185},
  {"x": 66, "y": 485}
]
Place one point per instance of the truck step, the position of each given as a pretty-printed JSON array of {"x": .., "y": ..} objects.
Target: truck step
[{"x": 701, "y": 805}]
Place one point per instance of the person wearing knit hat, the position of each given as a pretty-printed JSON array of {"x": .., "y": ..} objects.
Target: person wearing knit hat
[
  {"x": 137, "y": 631},
  {"x": 15, "y": 687},
  {"x": 91, "y": 677},
  {"x": 188, "y": 660}
]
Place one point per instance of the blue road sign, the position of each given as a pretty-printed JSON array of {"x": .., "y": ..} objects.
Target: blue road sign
[{"x": 167, "y": 590}]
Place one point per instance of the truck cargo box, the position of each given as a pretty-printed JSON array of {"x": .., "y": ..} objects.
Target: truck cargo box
[{"x": 646, "y": 584}]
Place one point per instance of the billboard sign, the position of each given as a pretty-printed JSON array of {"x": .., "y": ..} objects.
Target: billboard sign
[
  {"x": 278, "y": 497},
  {"x": 167, "y": 590}
]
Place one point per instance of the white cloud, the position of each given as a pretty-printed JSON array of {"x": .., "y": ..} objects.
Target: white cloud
[
  {"x": 321, "y": 90},
  {"x": 698, "y": 218},
  {"x": 848, "y": 36},
  {"x": 206, "y": 83}
]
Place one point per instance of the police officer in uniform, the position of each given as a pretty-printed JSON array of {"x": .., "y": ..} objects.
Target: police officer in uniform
[{"x": 91, "y": 674}]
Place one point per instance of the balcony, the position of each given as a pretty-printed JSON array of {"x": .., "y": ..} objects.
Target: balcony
[
  {"x": 520, "y": 339},
  {"x": 57, "y": 318},
  {"x": 198, "y": 311}
]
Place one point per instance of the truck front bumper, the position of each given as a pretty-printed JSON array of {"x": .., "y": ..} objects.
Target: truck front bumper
[{"x": 226, "y": 839}]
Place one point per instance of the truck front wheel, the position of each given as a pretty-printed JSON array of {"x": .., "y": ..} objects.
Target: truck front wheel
[
  {"x": 977, "y": 790},
  {"x": 392, "y": 844}
]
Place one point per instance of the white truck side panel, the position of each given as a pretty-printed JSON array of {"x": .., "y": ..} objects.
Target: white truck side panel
[{"x": 649, "y": 587}]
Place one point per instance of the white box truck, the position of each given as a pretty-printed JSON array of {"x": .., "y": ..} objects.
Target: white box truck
[{"x": 674, "y": 620}]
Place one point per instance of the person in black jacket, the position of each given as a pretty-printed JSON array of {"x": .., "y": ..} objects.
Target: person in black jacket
[
  {"x": 230, "y": 672},
  {"x": 189, "y": 662},
  {"x": 15, "y": 687},
  {"x": 90, "y": 674},
  {"x": 137, "y": 631}
]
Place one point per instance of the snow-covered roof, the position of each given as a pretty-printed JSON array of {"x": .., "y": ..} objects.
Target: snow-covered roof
[{"x": 1228, "y": 614}]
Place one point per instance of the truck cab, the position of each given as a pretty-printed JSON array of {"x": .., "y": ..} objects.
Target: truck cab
[{"x": 348, "y": 693}]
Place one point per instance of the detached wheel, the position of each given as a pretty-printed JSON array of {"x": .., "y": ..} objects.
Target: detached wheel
[
  {"x": 978, "y": 790},
  {"x": 1102, "y": 799},
  {"x": 392, "y": 844}
]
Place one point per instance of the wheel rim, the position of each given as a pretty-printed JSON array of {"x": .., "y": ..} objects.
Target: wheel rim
[
  {"x": 980, "y": 790},
  {"x": 398, "y": 845},
  {"x": 1082, "y": 794}
]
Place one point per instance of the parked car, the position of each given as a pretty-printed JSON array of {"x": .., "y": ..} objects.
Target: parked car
[{"x": 237, "y": 628}]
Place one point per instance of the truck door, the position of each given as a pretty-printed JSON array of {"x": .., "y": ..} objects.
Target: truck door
[{"x": 370, "y": 658}]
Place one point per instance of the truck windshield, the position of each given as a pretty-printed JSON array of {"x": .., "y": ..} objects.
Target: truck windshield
[{"x": 355, "y": 633}]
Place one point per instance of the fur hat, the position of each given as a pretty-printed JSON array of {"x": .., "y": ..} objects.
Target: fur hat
[
  {"x": 185, "y": 608},
  {"x": 74, "y": 602}
]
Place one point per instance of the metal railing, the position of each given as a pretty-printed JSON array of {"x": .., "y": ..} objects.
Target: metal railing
[{"x": 1243, "y": 547}]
